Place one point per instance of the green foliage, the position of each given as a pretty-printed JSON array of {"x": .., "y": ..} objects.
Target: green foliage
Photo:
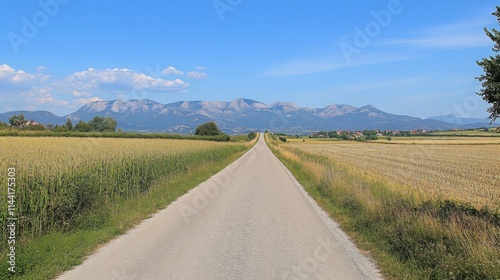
[
  {"x": 61, "y": 131},
  {"x": 59, "y": 128},
  {"x": 491, "y": 78},
  {"x": 82, "y": 126},
  {"x": 333, "y": 134},
  {"x": 17, "y": 120},
  {"x": 103, "y": 124},
  {"x": 282, "y": 139},
  {"x": 3, "y": 125},
  {"x": 34, "y": 127},
  {"x": 370, "y": 133},
  {"x": 208, "y": 129},
  {"x": 252, "y": 135},
  {"x": 69, "y": 125}
]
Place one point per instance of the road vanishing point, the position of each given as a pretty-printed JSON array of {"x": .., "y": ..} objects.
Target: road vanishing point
[{"x": 252, "y": 220}]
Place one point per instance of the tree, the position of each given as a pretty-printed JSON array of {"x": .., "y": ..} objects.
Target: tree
[
  {"x": 332, "y": 134},
  {"x": 17, "y": 120},
  {"x": 102, "y": 124},
  {"x": 208, "y": 129},
  {"x": 252, "y": 135},
  {"x": 60, "y": 128},
  {"x": 69, "y": 124},
  {"x": 491, "y": 78},
  {"x": 82, "y": 126},
  {"x": 110, "y": 124},
  {"x": 32, "y": 126},
  {"x": 3, "y": 125}
]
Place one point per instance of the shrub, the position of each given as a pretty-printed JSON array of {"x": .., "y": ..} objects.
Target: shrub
[
  {"x": 208, "y": 129},
  {"x": 252, "y": 135}
]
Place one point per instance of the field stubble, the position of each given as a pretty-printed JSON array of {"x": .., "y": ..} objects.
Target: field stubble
[
  {"x": 414, "y": 207},
  {"x": 467, "y": 173}
]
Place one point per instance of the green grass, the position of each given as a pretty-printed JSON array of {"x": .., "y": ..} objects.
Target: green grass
[
  {"x": 408, "y": 238},
  {"x": 60, "y": 247},
  {"x": 472, "y": 133},
  {"x": 48, "y": 133}
]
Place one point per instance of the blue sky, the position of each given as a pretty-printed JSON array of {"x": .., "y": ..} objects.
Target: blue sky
[{"x": 404, "y": 57}]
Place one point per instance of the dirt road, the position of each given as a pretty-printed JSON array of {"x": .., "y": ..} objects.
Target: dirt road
[{"x": 250, "y": 221}]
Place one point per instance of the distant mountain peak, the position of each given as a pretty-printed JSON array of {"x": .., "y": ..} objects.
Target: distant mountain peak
[
  {"x": 242, "y": 115},
  {"x": 287, "y": 106}
]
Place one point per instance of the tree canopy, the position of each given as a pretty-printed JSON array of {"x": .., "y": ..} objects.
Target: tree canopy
[
  {"x": 491, "y": 78},
  {"x": 208, "y": 129},
  {"x": 103, "y": 124},
  {"x": 82, "y": 126},
  {"x": 17, "y": 120}
]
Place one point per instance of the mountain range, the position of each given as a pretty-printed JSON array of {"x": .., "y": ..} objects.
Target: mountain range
[{"x": 244, "y": 115}]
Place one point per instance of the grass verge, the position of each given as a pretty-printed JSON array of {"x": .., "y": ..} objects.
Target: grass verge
[
  {"x": 134, "y": 135},
  {"x": 49, "y": 254},
  {"x": 408, "y": 237}
]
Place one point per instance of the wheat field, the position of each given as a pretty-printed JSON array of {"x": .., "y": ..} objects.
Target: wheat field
[
  {"x": 58, "y": 180},
  {"x": 467, "y": 172}
]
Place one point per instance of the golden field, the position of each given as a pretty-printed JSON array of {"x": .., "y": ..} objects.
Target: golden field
[
  {"x": 417, "y": 208},
  {"x": 59, "y": 154},
  {"x": 59, "y": 179},
  {"x": 468, "y": 172}
]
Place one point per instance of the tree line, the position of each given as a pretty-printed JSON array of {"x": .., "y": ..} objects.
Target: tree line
[{"x": 97, "y": 124}]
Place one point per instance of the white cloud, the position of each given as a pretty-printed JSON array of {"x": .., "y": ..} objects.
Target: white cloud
[
  {"x": 119, "y": 80},
  {"x": 386, "y": 84},
  {"x": 21, "y": 89},
  {"x": 196, "y": 75},
  {"x": 40, "y": 69},
  {"x": 40, "y": 96},
  {"x": 81, "y": 93},
  {"x": 83, "y": 101},
  {"x": 20, "y": 78},
  {"x": 328, "y": 63},
  {"x": 171, "y": 71},
  {"x": 459, "y": 35}
]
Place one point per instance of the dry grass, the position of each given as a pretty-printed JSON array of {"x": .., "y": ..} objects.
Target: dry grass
[
  {"x": 442, "y": 140},
  {"x": 400, "y": 203},
  {"x": 467, "y": 173}
]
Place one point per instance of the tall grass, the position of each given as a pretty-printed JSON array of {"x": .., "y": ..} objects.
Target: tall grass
[
  {"x": 154, "y": 135},
  {"x": 411, "y": 236},
  {"x": 62, "y": 181}
]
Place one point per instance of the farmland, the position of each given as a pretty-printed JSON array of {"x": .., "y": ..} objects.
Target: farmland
[
  {"x": 425, "y": 208},
  {"x": 466, "y": 172},
  {"x": 73, "y": 185}
]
